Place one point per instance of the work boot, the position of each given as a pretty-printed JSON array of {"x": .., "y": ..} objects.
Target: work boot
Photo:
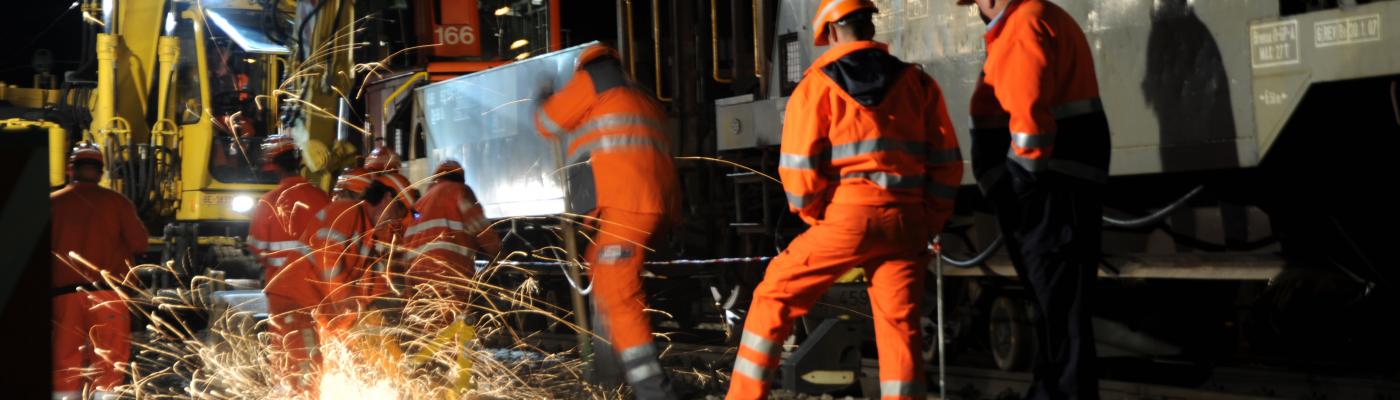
[{"x": 644, "y": 373}]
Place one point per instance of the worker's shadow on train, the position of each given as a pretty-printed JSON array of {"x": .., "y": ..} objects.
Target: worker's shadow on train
[{"x": 1187, "y": 87}]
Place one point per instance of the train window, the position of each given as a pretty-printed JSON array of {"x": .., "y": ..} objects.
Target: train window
[
  {"x": 790, "y": 62},
  {"x": 189, "y": 108}
]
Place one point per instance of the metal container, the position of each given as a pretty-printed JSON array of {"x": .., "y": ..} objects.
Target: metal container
[{"x": 485, "y": 121}]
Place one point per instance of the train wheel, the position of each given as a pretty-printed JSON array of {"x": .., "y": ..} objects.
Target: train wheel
[
  {"x": 928, "y": 326},
  {"x": 1011, "y": 334}
]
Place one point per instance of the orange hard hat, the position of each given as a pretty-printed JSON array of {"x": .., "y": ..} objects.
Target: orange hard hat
[
  {"x": 593, "y": 53},
  {"x": 446, "y": 168},
  {"x": 353, "y": 180},
  {"x": 834, "y": 10},
  {"x": 274, "y": 146},
  {"x": 403, "y": 190},
  {"x": 86, "y": 151},
  {"x": 382, "y": 159}
]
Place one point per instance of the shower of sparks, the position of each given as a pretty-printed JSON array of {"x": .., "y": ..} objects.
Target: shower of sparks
[{"x": 439, "y": 337}]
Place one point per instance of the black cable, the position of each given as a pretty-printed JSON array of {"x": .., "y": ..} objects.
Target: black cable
[
  {"x": 1142, "y": 222},
  {"x": 301, "y": 28},
  {"x": 1155, "y": 217},
  {"x": 978, "y": 259}
]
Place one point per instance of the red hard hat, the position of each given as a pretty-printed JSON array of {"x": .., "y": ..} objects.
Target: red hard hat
[
  {"x": 382, "y": 159},
  {"x": 447, "y": 167},
  {"x": 86, "y": 151},
  {"x": 834, "y": 10},
  {"x": 595, "y": 52},
  {"x": 274, "y": 146},
  {"x": 353, "y": 180}
]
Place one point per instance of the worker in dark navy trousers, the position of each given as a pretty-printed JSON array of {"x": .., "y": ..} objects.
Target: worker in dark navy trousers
[{"x": 1040, "y": 151}]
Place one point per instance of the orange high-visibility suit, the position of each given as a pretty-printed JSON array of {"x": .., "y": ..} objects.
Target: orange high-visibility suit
[
  {"x": 449, "y": 233},
  {"x": 619, "y": 130},
  {"x": 1040, "y": 151},
  {"x": 92, "y": 327},
  {"x": 279, "y": 219},
  {"x": 313, "y": 293},
  {"x": 870, "y": 160}
]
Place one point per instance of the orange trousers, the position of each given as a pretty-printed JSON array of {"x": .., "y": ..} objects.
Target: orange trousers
[
  {"x": 295, "y": 354},
  {"x": 890, "y": 243},
  {"x": 616, "y": 260},
  {"x": 92, "y": 330}
]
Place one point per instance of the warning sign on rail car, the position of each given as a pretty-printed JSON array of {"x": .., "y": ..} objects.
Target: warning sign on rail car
[
  {"x": 1274, "y": 44},
  {"x": 1334, "y": 32}
]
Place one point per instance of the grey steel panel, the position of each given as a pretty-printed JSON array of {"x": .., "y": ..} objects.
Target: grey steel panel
[
  {"x": 1290, "y": 54},
  {"x": 485, "y": 121}
]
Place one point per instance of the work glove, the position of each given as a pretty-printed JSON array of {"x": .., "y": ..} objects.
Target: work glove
[{"x": 544, "y": 88}]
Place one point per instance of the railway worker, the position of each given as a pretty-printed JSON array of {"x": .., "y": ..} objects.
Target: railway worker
[
  {"x": 282, "y": 215},
  {"x": 1040, "y": 146},
  {"x": 352, "y": 247},
  {"x": 869, "y": 160},
  {"x": 92, "y": 326},
  {"x": 383, "y": 160},
  {"x": 616, "y": 131},
  {"x": 320, "y": 295},
  {"x": 451, "y": 230},
  {"x": 279, "y": 220}
]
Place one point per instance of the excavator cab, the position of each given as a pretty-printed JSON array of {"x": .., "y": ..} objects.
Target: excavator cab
[
  {"x": 221, "y": 95},
  {"x": 239, "y": 81}
]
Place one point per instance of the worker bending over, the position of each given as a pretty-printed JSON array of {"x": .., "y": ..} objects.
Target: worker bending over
[
  {"x": 615, "y": 133},
  {"x": 870, "y": 161}
]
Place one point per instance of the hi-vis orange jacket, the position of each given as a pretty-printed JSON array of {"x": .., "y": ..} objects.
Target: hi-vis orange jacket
[
  {"x": 600, "y": 116},
  {"x": 279, "y": 220},
  {"x": 97, "y": 224},
  {"x": 338, "y": 271},
  {"x": 450, "y": 231},
  {"x": 868, "y": 137},
  {"x": 1038, "y": 86}
]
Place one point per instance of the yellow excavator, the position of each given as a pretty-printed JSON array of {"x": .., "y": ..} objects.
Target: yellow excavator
[{"x": 184, "y": 93}]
